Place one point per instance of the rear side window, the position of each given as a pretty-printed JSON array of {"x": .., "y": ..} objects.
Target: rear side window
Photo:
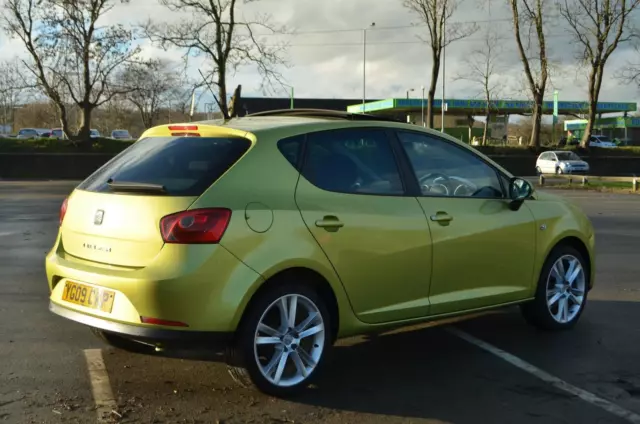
[
  {"x": 357, "y": 161},
  {"x": 291, "y": 148},
  {"x": 184, "y": 166}
]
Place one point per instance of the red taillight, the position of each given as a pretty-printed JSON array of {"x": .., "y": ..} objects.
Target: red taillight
[
  {"x": 63, "y": 210},
  {"x": 158, "y": 321},
  {"x": 183, "y": 128},
  {"x": 198, "y": 226}
]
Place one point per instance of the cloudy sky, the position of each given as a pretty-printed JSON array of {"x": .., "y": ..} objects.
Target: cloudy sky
[{"x": 325, "y": 52}]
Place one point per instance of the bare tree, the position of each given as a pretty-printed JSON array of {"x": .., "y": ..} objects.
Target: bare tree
[
  {"x": 529, "y": 20},
  {"x": 598, "y": 27},
  {"x": 630, "y": 73},
  {"x": 216, "y": 31},
  {"x": 441, "y": 33},
  {"x": 154, "y": 84},
  {"x": 14, "y": 92},
  {"x": 72, "y": 57},
  {"x": 481, "y": 67}
]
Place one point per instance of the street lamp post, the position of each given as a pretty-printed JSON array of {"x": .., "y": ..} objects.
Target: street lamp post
[
  {"x": 423, "y": 105},
  {"x": 364, "y": 65},
  {"x": 410, "y": 90},
  {"x": 444, "y": 73}
]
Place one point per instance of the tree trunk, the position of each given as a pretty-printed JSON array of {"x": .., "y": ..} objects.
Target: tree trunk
[
  {"x": 222, "y": 94},
  {"x": 595, "y": 82},
  {"x": 435, "y": 70},
  {"x": 486, "y": 127},
  {"x": 64, "y": 122},
  {"x": 536, "y": 118},
  {"x": 146, "y": 118},
  {"x": 84, "y": 135}
]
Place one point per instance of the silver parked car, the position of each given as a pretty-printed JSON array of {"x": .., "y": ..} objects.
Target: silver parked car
[
  {"x": 120, "y": 135},
  {"x": 561, "y": 162}
]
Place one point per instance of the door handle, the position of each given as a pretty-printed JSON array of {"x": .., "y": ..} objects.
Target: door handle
[
  {"x": 442, "y": 218},
  {"x": 329, "y": 223}
]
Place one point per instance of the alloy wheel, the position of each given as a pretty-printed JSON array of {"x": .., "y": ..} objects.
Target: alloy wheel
[
  {"x": 289, "y": 340},
  {"x": 566, "y": 286}
]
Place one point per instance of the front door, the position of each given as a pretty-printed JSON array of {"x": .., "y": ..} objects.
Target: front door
[
  {"x": 353, "y": 201},
  {"x": 483, "y": 252}
]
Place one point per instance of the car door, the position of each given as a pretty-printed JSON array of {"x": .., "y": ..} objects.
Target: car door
[
  {"x": 543, "y": 162},
  {"x": 483, "y": 252},
  {"x": 353, "y": 200},
  {"x": 552, "y": 163}
]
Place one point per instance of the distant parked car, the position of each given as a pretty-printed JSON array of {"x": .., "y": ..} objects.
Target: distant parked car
[
  {"x": 120, "y": 135},
  {"x": 561, "y": 162},
  {"x": 58, "y": 134},
  {"x": 621, "y": 142},
  {"x": 32, "y": 133},
  {"x": 94, "y": 133},
  {"x": 601, "y": 141}
]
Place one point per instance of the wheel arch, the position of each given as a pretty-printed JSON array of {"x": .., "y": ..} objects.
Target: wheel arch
[
  {"x": 306, "y": 276},
  {"x": 578, "y": 244}
]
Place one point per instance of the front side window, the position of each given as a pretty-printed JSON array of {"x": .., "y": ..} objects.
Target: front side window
[
  {"x": 358, "y": 161},
  {"x": 567, "y": 156},
  {"x": 443, "y": 169}
]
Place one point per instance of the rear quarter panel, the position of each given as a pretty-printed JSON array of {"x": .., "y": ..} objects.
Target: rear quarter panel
[{"x": 266, "y": 231}]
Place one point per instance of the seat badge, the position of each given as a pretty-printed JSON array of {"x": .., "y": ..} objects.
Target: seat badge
[{"x": 98, "y": 217}]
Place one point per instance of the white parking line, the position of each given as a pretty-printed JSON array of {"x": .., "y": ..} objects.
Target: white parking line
[
  {"x": 610, "y": 407},
  {"x": 100, "y": 386}
]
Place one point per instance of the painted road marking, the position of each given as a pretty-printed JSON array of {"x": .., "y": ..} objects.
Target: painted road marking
[
  {"x": 100, "y": 386},
  {"x": 610, "y": 407}
]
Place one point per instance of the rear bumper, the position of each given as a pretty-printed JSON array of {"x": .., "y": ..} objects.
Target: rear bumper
[
  {"x": 207, "y": 289},
  {"x": 147, "y": 334},
  {"x": 211, "y": 342}
]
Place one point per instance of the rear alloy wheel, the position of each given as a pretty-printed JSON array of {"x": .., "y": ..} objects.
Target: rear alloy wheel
[
  {"x": 562, "y": 291},
  {"x": 538, "y": 170},
  {"x": 283, "y": 340},
  {"x": 559, "y": 171}
]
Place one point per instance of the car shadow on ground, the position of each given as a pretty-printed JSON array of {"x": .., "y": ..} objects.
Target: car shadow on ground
[
  {"x": 415, "y": 374},
  {"x": 431, "y": 373}
]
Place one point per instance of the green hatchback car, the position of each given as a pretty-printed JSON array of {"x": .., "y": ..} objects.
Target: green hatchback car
[{"x": 263, "y": 239}]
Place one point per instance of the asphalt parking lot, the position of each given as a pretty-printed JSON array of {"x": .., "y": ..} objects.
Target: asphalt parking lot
[{"x": 418, "y": 375}]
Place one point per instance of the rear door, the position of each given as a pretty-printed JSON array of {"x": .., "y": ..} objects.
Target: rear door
[
  {"x": 352, "y": 199},
  {"x": 113, "y": 217}
]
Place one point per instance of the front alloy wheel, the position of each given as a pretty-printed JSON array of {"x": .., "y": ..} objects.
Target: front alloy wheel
[
  {"x": 283, "y": 340},
  {"x": 565, "y": 289},
  {"x": 562, "y": 291}
]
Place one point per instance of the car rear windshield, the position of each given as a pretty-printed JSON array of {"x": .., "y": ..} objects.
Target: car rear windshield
[{"x": 182, "y": 166}]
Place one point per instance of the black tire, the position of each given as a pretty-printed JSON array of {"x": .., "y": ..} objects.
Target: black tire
[
  {"x": 537, "y": 312},
  {"x": 559, "y": 171},
  {"x": 121, "y": 343},
  {"x": 538, "y": 171},
  {"x": 242, "y": 358}
]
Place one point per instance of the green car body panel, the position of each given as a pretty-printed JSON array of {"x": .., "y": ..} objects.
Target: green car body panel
[{"x": 390, "y": 264}]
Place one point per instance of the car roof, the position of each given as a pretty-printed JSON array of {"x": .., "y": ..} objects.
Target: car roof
[
  {"x": 296, "y": 120},
  {"x": 291, "y": 122}
]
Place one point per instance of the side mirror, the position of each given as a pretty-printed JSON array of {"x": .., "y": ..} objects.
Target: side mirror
[{"x": 519, "y": 191}]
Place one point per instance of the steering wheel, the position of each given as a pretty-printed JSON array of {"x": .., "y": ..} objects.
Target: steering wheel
[{"x": 437, "y": 179}]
